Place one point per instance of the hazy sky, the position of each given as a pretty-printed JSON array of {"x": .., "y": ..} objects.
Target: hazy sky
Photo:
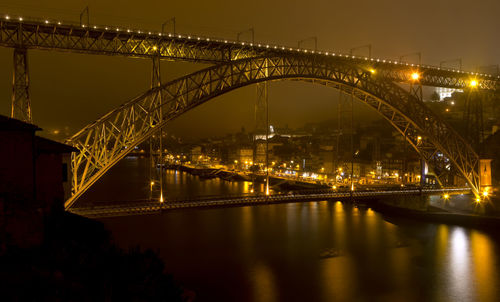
[{"x": 72, "y": 90}]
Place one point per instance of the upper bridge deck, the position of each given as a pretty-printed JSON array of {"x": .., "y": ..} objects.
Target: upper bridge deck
[{"x": 17, "y": 32}]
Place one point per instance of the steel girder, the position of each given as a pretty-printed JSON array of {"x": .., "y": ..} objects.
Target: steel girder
[
  {"x": 75, "y": 38},
  {"x": 109, "y": 139},
  {"x": 155, "y": 140},
  {"x": 21, "y": 105}
]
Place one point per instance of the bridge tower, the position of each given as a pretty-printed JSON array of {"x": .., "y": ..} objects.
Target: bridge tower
[
  {"x": 21, "y": 105},
  {"x": 473, "y": 117},
  {"x": 345, "y": 132},
  {"x": 261, "y": 107},
  {"x": 156, "y": 140}
]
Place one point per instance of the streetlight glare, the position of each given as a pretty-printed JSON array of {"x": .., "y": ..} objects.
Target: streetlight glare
[
  {"x": 473, "y": 83},
  {"x": 415, "y": 76}
]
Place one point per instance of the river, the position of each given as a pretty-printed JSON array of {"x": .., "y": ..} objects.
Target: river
[{"x": 310, "y": 251}]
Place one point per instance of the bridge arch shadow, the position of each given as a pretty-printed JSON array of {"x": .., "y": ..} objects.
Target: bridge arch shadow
[{"x": 104, "y": 142}]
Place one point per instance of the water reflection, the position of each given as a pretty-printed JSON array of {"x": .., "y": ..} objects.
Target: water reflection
[
  {"x": 485, "y": 264},
  {"x": 264, "y": 284},
  {"x": 459, "y": 277},
  {"x": 313, "y": 251}
]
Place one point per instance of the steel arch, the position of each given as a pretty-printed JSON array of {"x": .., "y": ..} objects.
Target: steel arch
[{"x": 109, "y": 139}]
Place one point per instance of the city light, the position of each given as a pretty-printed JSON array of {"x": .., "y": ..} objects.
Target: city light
[
  {"x": 415, "y": 76},
  {"x": 473, "y": 83},
  {"x": 372, "y": 71},
  {"x": 485, "y": 193},
  {"x": 446, "y": 196}
]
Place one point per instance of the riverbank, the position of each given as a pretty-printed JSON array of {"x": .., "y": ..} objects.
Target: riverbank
[
  {"x": 279, "y": 184},
  {"x": 438, "y": 215}
]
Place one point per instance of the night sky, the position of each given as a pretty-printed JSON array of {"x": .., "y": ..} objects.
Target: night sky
[{"x": 72, "y": 90}]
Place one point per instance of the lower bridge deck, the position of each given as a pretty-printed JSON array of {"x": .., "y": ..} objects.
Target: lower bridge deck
[{"x": 152, "y": 206}]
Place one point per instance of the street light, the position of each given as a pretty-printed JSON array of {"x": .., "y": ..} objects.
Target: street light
[
  {"x": 415, "y": 76},
  {"x": 473, "y": 83}
]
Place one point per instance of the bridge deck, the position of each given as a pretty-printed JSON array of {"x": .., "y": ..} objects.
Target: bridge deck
[
  {"x": 148, "y": 207},
  {"x": 112, "y": 40}
]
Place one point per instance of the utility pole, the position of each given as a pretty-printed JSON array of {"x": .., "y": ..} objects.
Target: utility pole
[
  {"x": 85, "y": 15},
  {"x": 447, "y": 62},
  {"x": 169, "y": 21},
  {"x": 250, "y": 30},
  {"x": 315, "y": 39},
  {"x": 367, "y": 46}
]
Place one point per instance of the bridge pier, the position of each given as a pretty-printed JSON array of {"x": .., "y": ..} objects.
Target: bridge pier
[
  {"x": 155, "y": 141},
  {"x": 485, "y": 176},
  {"x": 21, "y": 105}
]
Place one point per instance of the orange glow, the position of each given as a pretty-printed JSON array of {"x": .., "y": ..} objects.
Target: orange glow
[{"x": 415, "y": 76}]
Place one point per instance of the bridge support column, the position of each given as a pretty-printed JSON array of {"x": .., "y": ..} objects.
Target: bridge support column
[
  {"x": 416, "y": 90},
  {"x": 473, "y": 117},
  {"x": 155, "y": 141},
  {"x": 262, "y": 121},
  {"x": 485, "y": 176},
  {"x": 21, "y": 106}
]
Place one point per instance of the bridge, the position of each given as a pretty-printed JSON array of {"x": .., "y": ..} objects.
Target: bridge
[
  {"x": 232, "y": 65},
  {"x": 147, "y": 206}
]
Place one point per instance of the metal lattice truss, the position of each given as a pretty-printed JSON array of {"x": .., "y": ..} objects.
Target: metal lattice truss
[
  {"x": 21, "y": 107},
  {"x": 107, "y": 140},
  {"x": 115, "y": 41}
]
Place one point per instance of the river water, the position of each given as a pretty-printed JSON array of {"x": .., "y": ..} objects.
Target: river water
[{"x": 310, "y": 251}]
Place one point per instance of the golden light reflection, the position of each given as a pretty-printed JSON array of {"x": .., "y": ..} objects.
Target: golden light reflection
[
  {"x": 372, "y": 231},
  {"x": 337, "y": 278},
  {"x": 483, "y": 258},
  {"x": 442, "y": 246},
  {"x": 339, "y": 227},
  {"x": 401, "y": 261},
  {"x": 264, "y": 283},
  {"x": 247, "y": 228}
]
